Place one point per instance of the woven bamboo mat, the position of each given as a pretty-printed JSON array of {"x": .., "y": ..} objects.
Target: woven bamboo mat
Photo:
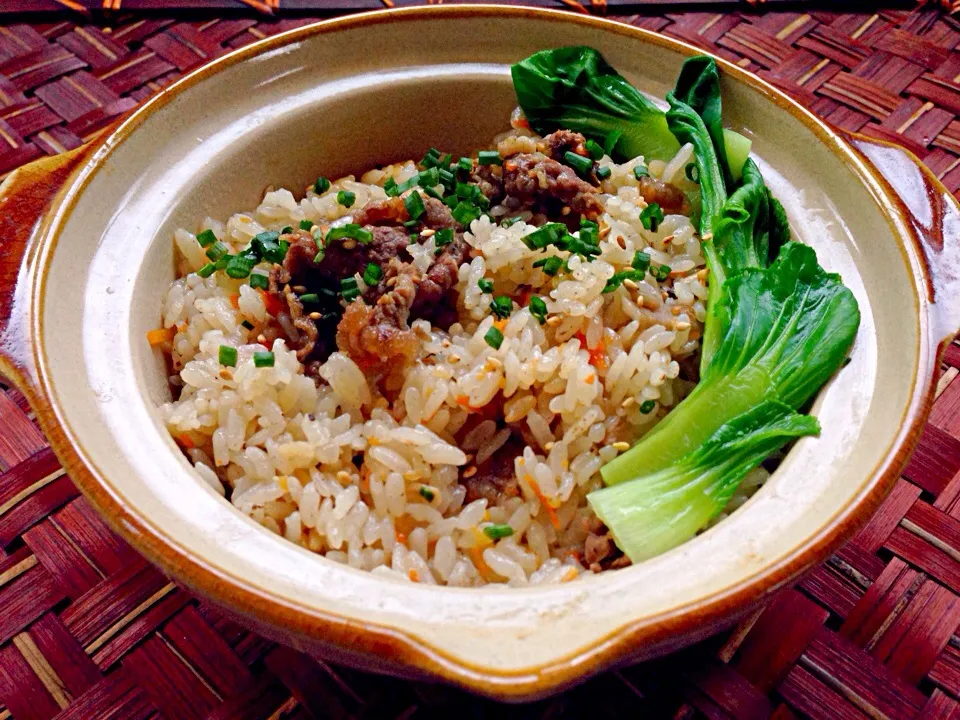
[{"x": 89, "y": 630}]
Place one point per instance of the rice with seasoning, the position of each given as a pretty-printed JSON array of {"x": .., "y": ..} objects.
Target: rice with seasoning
[{"x": 375, "y": 472}]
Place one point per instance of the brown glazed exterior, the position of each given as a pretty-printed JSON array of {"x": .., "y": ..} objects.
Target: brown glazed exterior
[{"x": 37, "y": 201}]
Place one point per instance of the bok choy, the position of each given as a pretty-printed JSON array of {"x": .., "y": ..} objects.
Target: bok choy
[{"x": 777, "y": 327}]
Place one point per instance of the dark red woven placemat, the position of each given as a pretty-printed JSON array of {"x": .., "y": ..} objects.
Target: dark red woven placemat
[{"x": 88, "y": 630}]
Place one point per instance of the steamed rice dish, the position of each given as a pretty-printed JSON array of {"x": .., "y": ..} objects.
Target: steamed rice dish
[{"x": 419, "y": 372}]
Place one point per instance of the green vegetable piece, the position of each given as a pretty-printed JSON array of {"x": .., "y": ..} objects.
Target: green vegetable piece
[
  {"x": 306, "y": 224},
  {"x": 651, "y": 217},
  {"x": 641, "y": 261},
  {"x": 443, "y": 236},
  {"x": 206, "y": 238},
  {"x": 595, "y": 149},
  {"x": 217, "y": 251},
  {"x": 207, "y": 270},
  {"x": 647, "y": 406},
  {"x": 350, "y": 230},
  {"x": 550, "y": 265},
  {"x": 548, "y": 234},
  {"x": 465, "y": 213},
  {"x": 346, "y": 198},
  {"x": 494, "y": 338},
  {"x": 495, "y": 532},
  {"x": 372, "y": 274},
  {"x": 259, "y": 281},
  {"x": 286, "y": 230},
  {"x": 349, "y": 289},
  {"x": 583, "y": 165},
  {"x": 263, "y": 358},
  {"x": 414, "y": 204},
  {"x": 485, "y": 285},
  {"x": 488, "y": 157},
  {"x": 239, "y": 266},
  {"x": 604, "y": 172},
  {"x": 227, "y": 356},
  {"x": 640, "y": 171},
  {"x": 321, "y": 185},
  {"x": 310, "y": 298},
  {"x": 427, "y": 493},
  {"x": 538, "y": 308},
  {"x": 501, "y": 306}
]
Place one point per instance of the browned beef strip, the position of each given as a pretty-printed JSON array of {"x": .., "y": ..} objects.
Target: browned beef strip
[
  {"x": 670, "y": 199},
  {"x": 542, "y": 183},
  {"x": 496, "y": 479},
  {"x": 343, "y": 258},
  {"x": 489, "y": 179},
  {"x": 433, "y": 301},
  {"x": 562, "y": 141},
  {"x": 393, "y": 211}
]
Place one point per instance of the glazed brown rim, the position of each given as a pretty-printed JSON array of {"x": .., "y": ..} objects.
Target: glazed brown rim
[{"x": 396, "y": 646}]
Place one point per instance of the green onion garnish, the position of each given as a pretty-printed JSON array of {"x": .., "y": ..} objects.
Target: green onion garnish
[
  {"x": 352, "y": 230},
  {"x": 507, "y": 222},
  {"x": 259, "y": 280},
  {"x": 647, "y": 406},
  {"x": 428, "y": 178},
  {"x": 221, "y": 264},
  {"x": 443, "y": 236},
  {"x": 390, "y": 187},
  {"x": 641, "y": 261},
  {"x": 346, "y": 198},
  {"x": 287, "y": 230},
  {"x": 227, "y": 356},
  {"x": 465, "y": 213},
  {"x": 617, "y": 280},
  {"x": 433, "y": 192},
  {"x": 349, "y": 289},
  {"x": 544, "y": 235},
  {"x": 596, "y": 152},
  {"x": 239, "y": 266},
  {"x": 414, "y": 238},
  {"x": 495, "y": 532},
  {"x": 372, "y": 274},
  {"x": 465, "y": 164},
  {"x": 310, "y": 298},
  {"x": 263, "y": 358},
  {"x": 414, "y": 204},
  {"x": 431, "y": 159},
  {"x": 306, "y": 224},
  {"x": 494, "y": 338},
  {"x": 538, "y": 308},
  {"x": 501, "y": 306},
  {"x": 488, "y": 157},
  {"x": 206, "y": 238},
  {"x": 321, "y": 185},
  {"x": 581, "y": 164},
  {"x": 485, "y": 285},
  {"x": 651, "y": 217},
  {"x": 640, "y": 171},
  {"x": 550, "y": 265},
  {"x": 604, "y": 172},
  {"x": 247, "y": 324},
  {"x": 662, "y": 273},
  {"x": 207, "y": 270},
  {"x": 447, "y": 178},
  {"x": 427, "y": 493},
  {"x": 217, "y": 251},
  {"x": 270, "y": 247},
  {"x": 693, "y": 173}
]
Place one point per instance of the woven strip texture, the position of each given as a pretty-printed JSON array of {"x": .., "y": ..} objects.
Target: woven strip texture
[{"x": 89, "y": 630}]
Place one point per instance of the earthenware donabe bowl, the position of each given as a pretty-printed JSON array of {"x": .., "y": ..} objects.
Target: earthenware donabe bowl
[{"x": 87, "y": 252}]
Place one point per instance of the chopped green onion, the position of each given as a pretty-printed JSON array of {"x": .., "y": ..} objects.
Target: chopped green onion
[
  {"x": 221, "y": 264},
  {"x": 352, "y": 231},
  {"x": 346, "y": 198},
  {"x": 447, "y": 178},
  {"x": 640, "y": 171},
  {"x": 411, "y": 223},
  {"x": 349, "y": 289},
  {"x": 414, "y": 238},
  {"x": 217, "y": 251},
  {"x": 321, "y": 185},
  {"x": 427, "y": 493},
  {"x": 263, "y": 358},
  {"x": 259, "y": 281},
  {"x": 433, "y": 192},
  {"x": 494, "y": 338},
  {"x": 501, "y": 306},
  {"x": 604, "y": 172},
  {"x": 428, "y": 178},
  {"x": 662, "y": 272},
  {"x": 488, "y": 157},
  {"x": 321, "y": 254},
  {"x": 651, "y": 217},
  {"x": 544, "y": 235},
  {"x": 507, "y": 222},
  {"x": 414, "y": 204},
  {"x": 550, "y": 265},
  {"x": 495, "y": 532},
  {"x": 485, "y": 285},
  {"x": 247, "y": 324},
  {"x": 693, "y": 174},
  {"x": 443, "y": 236},
  {"x": 207, "y": 270},
  {"x": 431, "y": 159},
  {"x": 617, "y": 280},
  {"x": 581, "y": 164},
  {"x": 465, "y": 164},
  {"x": 206, "y": 238},
  {"x": 227, "y": 356},
  {"x": 465, "y": 213},
  {"x": 286, "y": 230},
  {"x": 647, "y": 406},
  {"x": 269, "y": 246},
  {"x": 596, "y": 152},
  {"x": 538, "y": 308},
  {"x": 310, "y": 298},
  {"x": 390, "y": 187},
  {"x": 372, "y": 274},
  {"x": 306, "y": 224},
  {"x": 240, "y": 266},
  {"x": 641, "y": 261}
]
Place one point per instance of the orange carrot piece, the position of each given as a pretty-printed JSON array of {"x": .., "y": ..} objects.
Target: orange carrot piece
[
  {"x": 161, "y": 335},
  {"x": 545, "y": 501}
]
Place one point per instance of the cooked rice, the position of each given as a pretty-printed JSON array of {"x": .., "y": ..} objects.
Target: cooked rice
[{"x": 285, "y": 447}]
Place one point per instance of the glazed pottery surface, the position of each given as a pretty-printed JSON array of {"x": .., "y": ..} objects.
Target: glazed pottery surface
[{"x": 95, "y": 229}]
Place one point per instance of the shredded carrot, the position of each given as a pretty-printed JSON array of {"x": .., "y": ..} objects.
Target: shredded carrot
[
  {"x": 524, "y": 297},
  {"x": 413, "y": 575},
  {"x": 545, "y": 501},
  {"x": 598, "y": 354},
  {"x": 486, "y": 572},
  {"x": 401, "y": 538},
  {"x": 271, "y": 303},
  {"x": 500, "y": 324},
  {"x": 235, "y": 300},
  {"x": 160, "y": 335},
  {"x": 184, "y": 439}
]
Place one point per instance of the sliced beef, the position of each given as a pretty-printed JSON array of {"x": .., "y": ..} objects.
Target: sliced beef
[
  {"x": 548, "y": 186},
  {"x": 562, "y": 141},
  {"x": 435, "y": 300},
  {"x": 343, "y": 258},
  {"x": 393, "y": 211},
  {"x": 489, "y": 179},
  {"x": 496, "y": 479},
  {"x": 670, "y": 199}
]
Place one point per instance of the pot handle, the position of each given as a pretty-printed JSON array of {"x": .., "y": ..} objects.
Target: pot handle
[
  {"x": 934, "y": 214},
  {"x": 26, "y": 198}
]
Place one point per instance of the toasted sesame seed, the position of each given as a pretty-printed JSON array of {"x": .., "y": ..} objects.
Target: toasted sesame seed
[
  {"x": 628, "y": 402},
  {"x": 225, "y": 374},
  {"x": 445, "y": 344},
  {"x": 470, "y": 472},
  {"x": 667, "y": 239},
  {"x": 548, "y": 447},
  {"x": 428, "y": 232},
  {"x": 262, "y": 339},
  {"x": 630, "y": 284},
  {"x": 682, "y": 325},
  {"x": 553, "y": 321},
  {"x": 349, "y": 244},
  {"x": 707, "y": 237},
  {"x": 565, "y": 210},
  {"x": 604, "y": 231},
  {"x": 315, "y": 315},
  {"x": 676, "y": 310},
  {"x": 344, "y": 476},
  {"x": 299, "y": 289},
  {"x": 621, "y": 446},
  {"x": 494, "y": 362},
  {"x": 453, "y": 358}
]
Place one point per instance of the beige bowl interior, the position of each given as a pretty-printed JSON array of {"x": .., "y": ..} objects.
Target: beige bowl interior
[{"x": 332, "y": 103}]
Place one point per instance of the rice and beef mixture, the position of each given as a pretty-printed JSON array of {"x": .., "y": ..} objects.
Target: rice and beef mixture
[{"x": 423, "y": 370}]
